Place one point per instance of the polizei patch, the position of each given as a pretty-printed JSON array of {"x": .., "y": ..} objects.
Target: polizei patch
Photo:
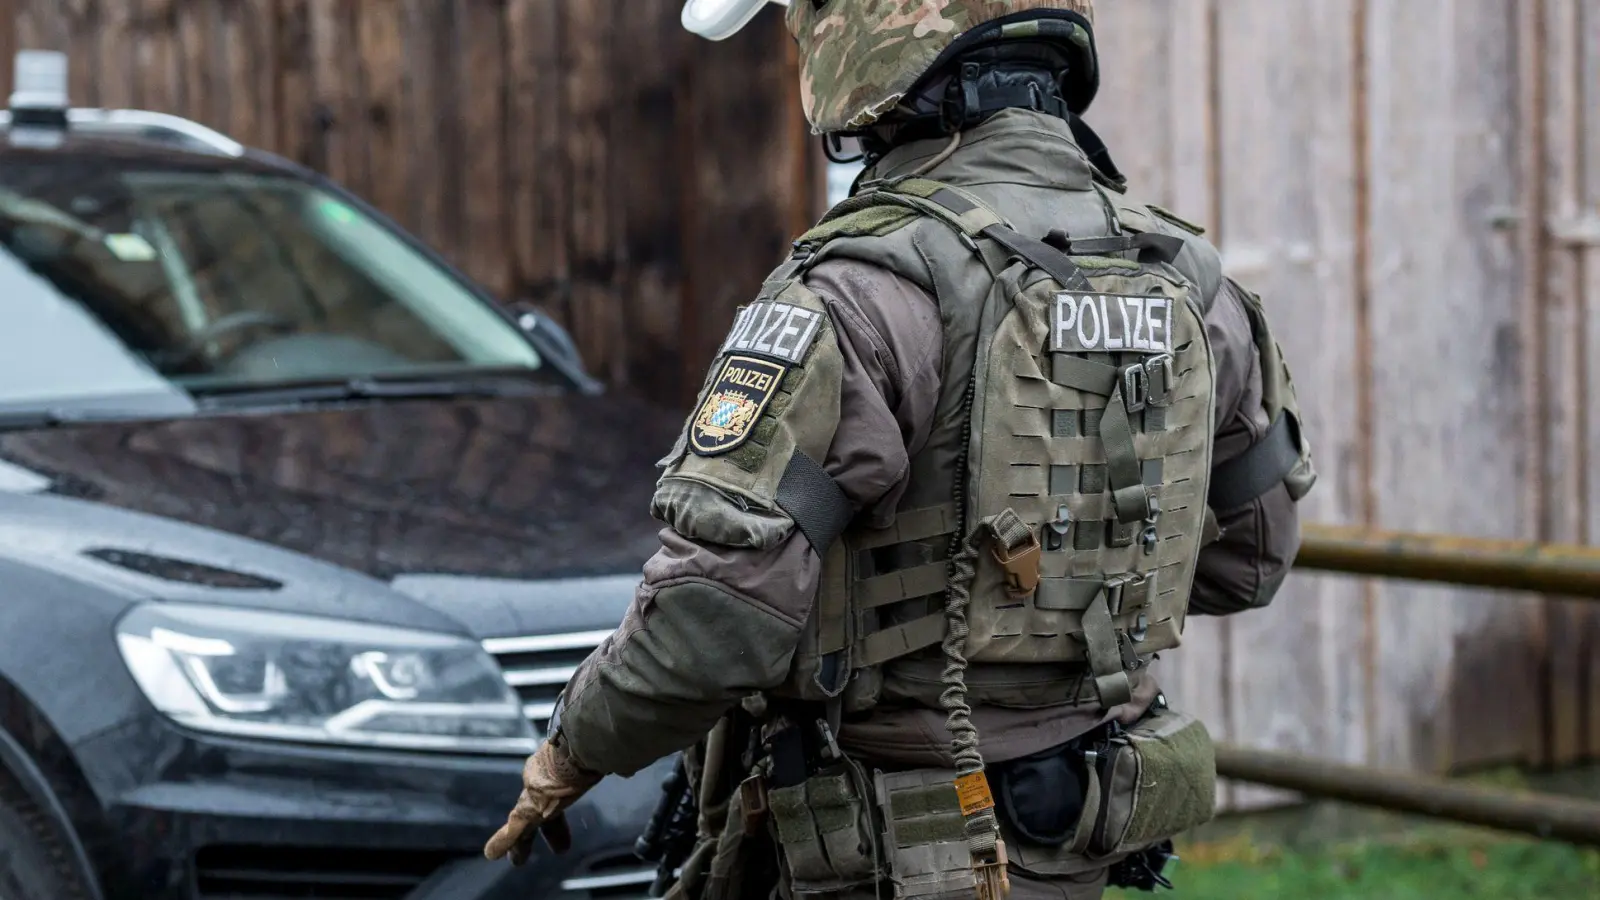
[
  {"x": 741, "y": 393},
  {"x": 781, "y": 331},
  {"x": 1110, "y": 323}
]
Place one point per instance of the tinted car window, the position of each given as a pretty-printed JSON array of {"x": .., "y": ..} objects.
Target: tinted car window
[{"x": 132, "y": 282}]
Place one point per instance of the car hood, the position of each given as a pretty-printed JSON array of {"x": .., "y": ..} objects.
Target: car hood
[{"x": 553, "y": 486}]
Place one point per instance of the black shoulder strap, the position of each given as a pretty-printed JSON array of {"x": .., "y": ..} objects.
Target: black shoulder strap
[
  {"x": 816, "y": 503},
  {"x": 1257, "y": 470}
]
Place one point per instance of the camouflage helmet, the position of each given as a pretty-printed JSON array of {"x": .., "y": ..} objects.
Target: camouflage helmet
[{"x": 858, "y": 58}]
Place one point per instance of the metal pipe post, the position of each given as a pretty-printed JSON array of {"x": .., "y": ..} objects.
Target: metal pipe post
[
  {"x": 1564, "y": 569},
  {"x": 1540, "y": 815}
]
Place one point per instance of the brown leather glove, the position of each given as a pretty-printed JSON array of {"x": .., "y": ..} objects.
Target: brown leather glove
[{"x": 551, "y": 783}]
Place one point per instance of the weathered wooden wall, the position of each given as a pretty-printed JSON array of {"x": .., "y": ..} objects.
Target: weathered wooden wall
[
  {"x": 586, "y": 155},
  {"x": 1413, "y": 185}
]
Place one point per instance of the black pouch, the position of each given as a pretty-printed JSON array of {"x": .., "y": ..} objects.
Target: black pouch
[{"x": 1042, "y": 797}]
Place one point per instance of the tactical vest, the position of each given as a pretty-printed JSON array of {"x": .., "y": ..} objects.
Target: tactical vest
[
  {"x": 1062, "y": 493},
  {"x": 1084, "y": 435}
]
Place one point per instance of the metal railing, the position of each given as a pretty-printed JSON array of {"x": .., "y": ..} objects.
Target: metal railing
[
  {"x": 1570, "y": 571},
  {"x": 1540, "y": 815},
  {"x": 1566, "y": 569}
]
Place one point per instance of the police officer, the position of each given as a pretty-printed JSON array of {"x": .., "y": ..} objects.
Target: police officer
[{"x": 956, "y": 477}]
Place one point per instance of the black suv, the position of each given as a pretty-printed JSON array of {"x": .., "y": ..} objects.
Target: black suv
[{"x": 300, "y": 535}]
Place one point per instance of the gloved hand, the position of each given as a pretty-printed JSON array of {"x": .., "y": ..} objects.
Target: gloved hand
[{"x": 551, "y": 783}]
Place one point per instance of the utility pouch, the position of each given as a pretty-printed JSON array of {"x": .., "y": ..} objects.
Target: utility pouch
[
  {"x": 1155, "y": 780},
  {"x": 1142, "y": 785},
  {"x": 826, "y": 829},
  {"x": 925, "y": 835}
]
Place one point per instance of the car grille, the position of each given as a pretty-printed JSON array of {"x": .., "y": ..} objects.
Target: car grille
[
  {"x": 538, "y": 667},
  {"x": 226, "y": 872}
]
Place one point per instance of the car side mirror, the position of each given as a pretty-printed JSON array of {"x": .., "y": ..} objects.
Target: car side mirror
[{"x": 534, "y": 321}]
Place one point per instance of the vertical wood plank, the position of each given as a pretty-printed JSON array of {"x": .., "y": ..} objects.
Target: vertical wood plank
[
  {"x": 194, "y": 49},
  {"x": 536, "y": 170},
  {"x": 480, "y": 59},
  {"x": 1289, "y": 230},
  {"x": 337, "y": 90},
  {"x": 1450, "y": 362},
  {"x": 233, "y": 109},
  {"x": 158, "y": 59},
  {"x": 1588, "y": 27},
  {"x": 435, "y": 136},
  {"x": 1552, "y": 60},
  {"x": 381, "y": 58},
  {"x": 247, "y": 31},
  {"x": 649, "y": 277},
  {"x": 295, "y": 113},
  {"x": 218, "y": 56},
  {"x": 42, "y": 25},
  {"x": 106, "y": 34},
  {"x": 1138, "y": 55},
  {"x": 8, "y": 45},
  {"x": 589, "y": 29},
  {"x": 80, "y": 27}
]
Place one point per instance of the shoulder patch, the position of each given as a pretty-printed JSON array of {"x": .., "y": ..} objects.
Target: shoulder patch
[
  {"x": 741, "y": 393},
  {"x": 778, "y": 331}
]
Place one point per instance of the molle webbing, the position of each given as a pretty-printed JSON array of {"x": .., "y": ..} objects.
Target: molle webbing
[
  {"x": 1099, "y": 451},
  {"x": 880, "y": 590}
]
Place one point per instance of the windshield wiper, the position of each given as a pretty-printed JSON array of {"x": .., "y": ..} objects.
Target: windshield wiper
[{"x": 365, "y": 388}]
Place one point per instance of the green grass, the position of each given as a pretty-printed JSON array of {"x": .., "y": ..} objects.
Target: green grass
[{"x": 1461, "y": 866}]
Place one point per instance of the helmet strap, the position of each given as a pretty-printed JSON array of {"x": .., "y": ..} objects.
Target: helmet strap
[{"x": 976, "y": 91}]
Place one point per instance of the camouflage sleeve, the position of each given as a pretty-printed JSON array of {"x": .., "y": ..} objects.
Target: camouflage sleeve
[
  {"x": 1245, "y": 566},
  {"x": 723, "y": 603}
]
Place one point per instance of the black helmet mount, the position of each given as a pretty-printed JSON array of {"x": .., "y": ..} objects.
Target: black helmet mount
[{"x": 1043, "y": 60}]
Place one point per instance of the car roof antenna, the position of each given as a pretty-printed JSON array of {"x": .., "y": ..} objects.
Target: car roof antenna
[{"x": 39, "y": 103}]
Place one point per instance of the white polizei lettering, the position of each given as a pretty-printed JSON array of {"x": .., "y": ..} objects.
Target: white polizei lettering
[
  {"x": 776, "y": 314},
  {"x": 1113, "y": 343},
  {"x": 1139, "y": 341},
  {"x": 1159, "y": 324},
  {"x": 739, "y": 323},
  {"x": 775, "y": 319},
  {"x": 791, "y": 328},
  {"x": 752, "y": 322},
  {"x": 1066, "y": 313},
  {"x": 1087, "y": 308},
  {"x": 805, "y": 339}
]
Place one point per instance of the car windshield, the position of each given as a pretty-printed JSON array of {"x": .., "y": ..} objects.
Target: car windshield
[{"x": 171, "y": 284}]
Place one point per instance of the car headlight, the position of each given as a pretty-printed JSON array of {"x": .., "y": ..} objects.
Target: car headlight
[{"x": 299, "y": 678}]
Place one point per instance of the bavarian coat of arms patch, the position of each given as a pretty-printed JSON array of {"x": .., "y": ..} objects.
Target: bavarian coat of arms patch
[{"x": 738, "y": 397}]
